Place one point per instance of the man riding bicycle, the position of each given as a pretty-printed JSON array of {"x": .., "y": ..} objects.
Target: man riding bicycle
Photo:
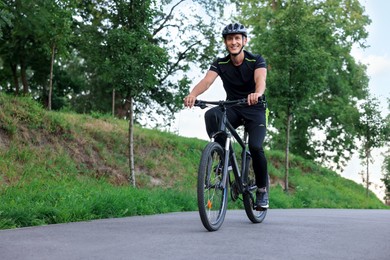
[{"x": 243, "y": 75}]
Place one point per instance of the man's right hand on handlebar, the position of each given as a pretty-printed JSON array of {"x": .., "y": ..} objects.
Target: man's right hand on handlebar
[{"x": 189, "y": 101}]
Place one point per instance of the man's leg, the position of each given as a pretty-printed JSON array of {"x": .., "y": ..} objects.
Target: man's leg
[
  {"x": 257, "y": 131},
  {"x": 212, "y": 118}
]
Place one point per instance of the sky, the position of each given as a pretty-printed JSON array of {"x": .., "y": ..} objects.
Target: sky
[{"x": 190, "y": 122}]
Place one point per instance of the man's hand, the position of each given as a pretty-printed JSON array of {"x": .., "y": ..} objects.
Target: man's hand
[
  {"x": 189, "y": 101},
  {"x": 253, "y": 98}
]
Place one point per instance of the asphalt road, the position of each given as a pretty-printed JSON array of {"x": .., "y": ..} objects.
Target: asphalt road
[{"x": 285, "y": 234}]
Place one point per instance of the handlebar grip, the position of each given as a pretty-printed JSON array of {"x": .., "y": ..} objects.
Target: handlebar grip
[
  {"x": 240, "y": 102},
  {"x": 200, "y": 103}
]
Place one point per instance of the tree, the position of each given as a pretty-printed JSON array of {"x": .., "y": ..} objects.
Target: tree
[
  {"x": 120, "y": 55},
  {"x": 132, "y": 74},
  {"x": 57, "y": 33},
  {"x": 5, "y": 21},
  {"x": 313, "y": 81},
  {"x": 386, "y": 176},
  {"x": 132, "y": 55},
  {"x": 140, "y": 51},
  {"x": 41, "y": 34},
  {"x": 5, "y": 17},
  {"x": 16, "y": 39},
  {"x": 39, "y": 28},
  {"x": 188, "y": 38},
  {"x": 386, "y": 162},
  {"x": 371, "y": 130}
]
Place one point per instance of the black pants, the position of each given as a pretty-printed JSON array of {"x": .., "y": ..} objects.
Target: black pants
[{"x": 254, "y": 120}]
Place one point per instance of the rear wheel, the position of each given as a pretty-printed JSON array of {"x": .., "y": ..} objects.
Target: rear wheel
[
  {"x": 212, "y": 198},
  {"x": 249, "y": 197}
]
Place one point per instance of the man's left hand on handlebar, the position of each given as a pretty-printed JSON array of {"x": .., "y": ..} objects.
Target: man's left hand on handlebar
[{"x": 253, "y": 98}]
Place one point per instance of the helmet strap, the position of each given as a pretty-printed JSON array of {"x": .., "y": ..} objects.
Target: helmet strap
[{"x": 236, "y": 54}]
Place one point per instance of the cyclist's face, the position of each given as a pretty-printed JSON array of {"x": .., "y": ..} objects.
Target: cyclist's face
[{"x": 234, "y": 43}]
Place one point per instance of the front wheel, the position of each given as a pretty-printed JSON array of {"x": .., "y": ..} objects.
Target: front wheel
[
  {"x": 249, "y": 197},
  {"x": 212, "y": 195}
]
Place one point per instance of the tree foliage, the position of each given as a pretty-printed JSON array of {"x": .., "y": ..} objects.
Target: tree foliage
[
  {"x": 144, "y": 51},
  {"x": 386, "y": 175},
  {"x": 5, "y": 17},
  {"x": 312, "y": 75},
  {"x": 170, "y": 41},
  {"x": 27, "y": 46},
  {"x": 95, "y": 55},
  {"x": 187, "y": 30},
  {"x": 371, "y": 130},
  {"x": 386, "y": 161},
  {"x": 118, "y": 52},
  {"x": 158, "y": 40}
]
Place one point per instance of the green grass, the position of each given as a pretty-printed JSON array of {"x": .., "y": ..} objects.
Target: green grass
[
  {"x": 48, "y": 202},
  {"x": 58, "y": 167}
]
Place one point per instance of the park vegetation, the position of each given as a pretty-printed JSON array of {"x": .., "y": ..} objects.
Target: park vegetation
[
  {"x": 58, "y": 167},
  {"x": 131, "y": 59}
]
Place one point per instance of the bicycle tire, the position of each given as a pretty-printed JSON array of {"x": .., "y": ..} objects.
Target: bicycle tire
[
  {"x": 249, "y": 197},
  {"x": 212, "y": 199}
]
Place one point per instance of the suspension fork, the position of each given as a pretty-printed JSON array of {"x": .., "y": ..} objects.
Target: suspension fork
[
  {"x": 245, "y": 162},
  {"x": 226, "y": 162},
  {"x": 245, "y": 157},
  {"x": 230, "y": 156}
]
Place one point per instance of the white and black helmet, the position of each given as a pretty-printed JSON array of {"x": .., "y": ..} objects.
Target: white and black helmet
[{"x": 234, "y": 28}]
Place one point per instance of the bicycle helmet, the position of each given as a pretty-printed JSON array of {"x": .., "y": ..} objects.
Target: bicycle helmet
[{"x": 234, "y": 28}]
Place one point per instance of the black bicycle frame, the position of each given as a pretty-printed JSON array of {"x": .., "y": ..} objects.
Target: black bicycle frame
[{"x": 226, "y": 130}]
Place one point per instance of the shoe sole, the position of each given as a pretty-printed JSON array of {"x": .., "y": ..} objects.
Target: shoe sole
[{"x": 262, "y": 208}]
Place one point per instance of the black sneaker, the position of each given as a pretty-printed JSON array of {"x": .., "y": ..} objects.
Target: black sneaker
[{"x": 262, "y": 198}]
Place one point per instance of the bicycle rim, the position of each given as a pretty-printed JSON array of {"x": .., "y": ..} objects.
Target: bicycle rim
[{"x": 212, "y": 199}]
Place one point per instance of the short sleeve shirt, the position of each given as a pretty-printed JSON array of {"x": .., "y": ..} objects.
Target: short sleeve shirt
[{"x": 238, "y": 81}]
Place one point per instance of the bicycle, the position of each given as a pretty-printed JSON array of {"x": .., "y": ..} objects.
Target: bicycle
[{"x": 219, "y": 170}]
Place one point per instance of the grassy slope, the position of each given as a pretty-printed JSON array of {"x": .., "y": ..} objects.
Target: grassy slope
[{"x": 60, "y": 167}]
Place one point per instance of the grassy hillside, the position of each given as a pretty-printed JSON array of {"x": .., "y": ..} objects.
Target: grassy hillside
[{"x": 59, "y": 167}]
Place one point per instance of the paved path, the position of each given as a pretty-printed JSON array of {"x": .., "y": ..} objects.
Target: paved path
[{"x": 285, "y": 234}]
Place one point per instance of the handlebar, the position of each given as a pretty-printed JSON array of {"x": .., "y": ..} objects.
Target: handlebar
[
  {"x": 240, "y": 102},
  {"x": 203, "y": 103}
]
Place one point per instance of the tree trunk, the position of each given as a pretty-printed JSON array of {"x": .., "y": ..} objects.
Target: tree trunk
[
  {"x": 274, "y": 5},
  {"x": 131, "y": 143},
  {"x": 113, "y": 102},
  {"x": 14, "y": 69},
  {"x": 289, "y": 118},
  {"x": 367, "y": 171},
  {"x": 51, "y": 76},
  {"x": 23, "y": 75}
]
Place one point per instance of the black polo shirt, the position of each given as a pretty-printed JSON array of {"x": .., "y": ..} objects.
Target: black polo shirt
[{"x": 238, "y": 81}]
